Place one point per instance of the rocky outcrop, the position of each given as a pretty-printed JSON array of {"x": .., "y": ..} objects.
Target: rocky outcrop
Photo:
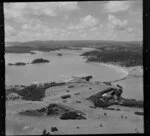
[{"x": 112, "y": 96}]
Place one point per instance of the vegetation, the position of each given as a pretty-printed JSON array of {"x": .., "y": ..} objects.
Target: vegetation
[
  {"x": 26, "y": 47},
  {"x": 34, "y": 92},
  {"x": 122, "y": 55},
  {"x": 54, "y": 109},
  {"x": 50, "y": 110},
  {"x": 17, "y": 64},
  {"x": 40, "y": 60}
]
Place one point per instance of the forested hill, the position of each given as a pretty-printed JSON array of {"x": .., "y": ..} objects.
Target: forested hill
[
  {"x": 26, "y": 47},
  {"x": 122, "y": 55}
]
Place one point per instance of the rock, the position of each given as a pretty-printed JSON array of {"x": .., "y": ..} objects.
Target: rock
[
  {"x": 139, "y": 113},
  {"x": 105, "y": 114},
  {"x": 71, "y": 115},
  {"x": 65, "y": 96},
  {"x": 92, "y": 107},
  {"x": 112, "y": 96},
  {"x": 100, "y": 125},
  {"x": 78, "y": 127},
  {"x": 71, "y": 86},
  {"x": 87, "y": 78},
  {"x": 53, "y": 129},
  {"x": 32, "y": 52},
  {"x": 59, "y": 54},
  {"x": 76, "y": 93},
  {"x": 106, "y": 108},
  {"x": 78, "y": 101}
]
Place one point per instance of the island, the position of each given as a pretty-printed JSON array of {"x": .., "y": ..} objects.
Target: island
[
  {"x": 40, "y": 60},
  {"x": 17, "y": 64}
]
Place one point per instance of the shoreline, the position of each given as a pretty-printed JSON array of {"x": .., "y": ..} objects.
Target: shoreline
[{"x": 119, "y": 68}]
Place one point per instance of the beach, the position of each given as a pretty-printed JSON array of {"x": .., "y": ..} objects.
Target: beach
[{"x": 115, "y": 121}]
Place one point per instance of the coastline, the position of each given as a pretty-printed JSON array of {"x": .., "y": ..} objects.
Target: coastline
[{"x": 118, "y": 68}]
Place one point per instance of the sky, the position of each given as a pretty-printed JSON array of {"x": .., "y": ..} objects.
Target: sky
[{"x": 90, "y": 20}]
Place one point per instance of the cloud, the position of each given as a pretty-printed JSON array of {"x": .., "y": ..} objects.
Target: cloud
[
  {"x": 85, "y": 22},
  {"x": 43, "y": 32},
  {"x": 117, "y": 6},
  {"x": 33, "y": 24},
  {"x": 9, "y": 31},
  {"x": 116, "y": 23},
  {"x": 20, "y": 10}
]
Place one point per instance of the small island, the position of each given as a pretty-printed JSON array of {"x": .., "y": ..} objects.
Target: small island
[
  {"x": 40, "y": 60},
  {"x": 59, "y": 54},
  {"x": 17, "y": 64}
]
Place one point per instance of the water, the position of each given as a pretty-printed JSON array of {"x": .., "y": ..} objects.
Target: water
[{"x": 59, "y": 68}]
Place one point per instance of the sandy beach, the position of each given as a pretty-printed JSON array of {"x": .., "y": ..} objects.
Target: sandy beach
[{"x": 98, "y": 120}]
